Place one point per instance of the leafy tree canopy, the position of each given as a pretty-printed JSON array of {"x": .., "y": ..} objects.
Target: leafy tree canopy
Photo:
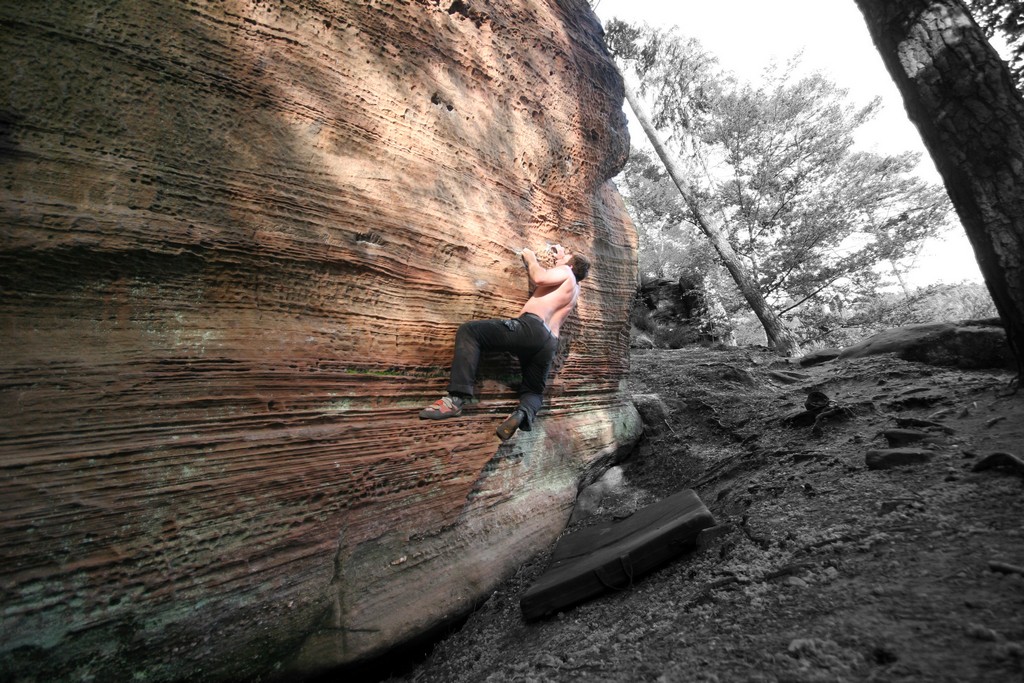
[{"x": 812, "y": 217}]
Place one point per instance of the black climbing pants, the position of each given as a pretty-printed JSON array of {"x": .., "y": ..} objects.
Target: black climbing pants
[{"x": 526, "y": 336}]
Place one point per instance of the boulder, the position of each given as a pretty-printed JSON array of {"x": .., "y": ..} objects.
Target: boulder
[
  {"x": 239, "y": 238},
  {"x": 673, "y": 301},
  {"x": 1000, "y": 460},
  {"x": 889, "y": 458},
  {"x": 819, "y": 356},
  {"x": 653, "y": 412},
  {"x": 590, "y": 499},
  {"x": 897, "y": 438},
  {"x": 640, "y": 340},
  {"x": 968, "y": 345},
  {"x": 673, "y": 314}
]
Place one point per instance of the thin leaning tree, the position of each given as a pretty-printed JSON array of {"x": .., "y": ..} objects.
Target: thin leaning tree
[
  {"x": 961, "y": 96},
  {"x": 778, "y": 335},
  {"x": 770, "y": 175}
]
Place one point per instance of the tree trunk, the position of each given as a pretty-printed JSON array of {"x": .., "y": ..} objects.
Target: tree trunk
[
  {"x": 899, "y": 279},
  {"x": 961, "y": 97},
  {"x": 779, "y": 338},
  {"x": 716, "y": 311}
]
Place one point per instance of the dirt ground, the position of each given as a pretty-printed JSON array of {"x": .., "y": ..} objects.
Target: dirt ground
[{"x": 823, "y": 569}]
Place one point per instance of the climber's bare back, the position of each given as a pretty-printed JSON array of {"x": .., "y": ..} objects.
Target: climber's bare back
[
  {"x": 556, "y": 289},
  {"x": 553, "y": 304}
]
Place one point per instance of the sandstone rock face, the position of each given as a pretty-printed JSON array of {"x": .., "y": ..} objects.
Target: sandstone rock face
[{"x": 237, "y": 240}]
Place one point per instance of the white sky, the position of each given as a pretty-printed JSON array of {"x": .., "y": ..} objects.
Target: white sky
[{"x": 746, "y": 35}]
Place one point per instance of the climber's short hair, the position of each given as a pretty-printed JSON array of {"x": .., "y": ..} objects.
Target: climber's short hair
[{"x": 580, "y": 265}]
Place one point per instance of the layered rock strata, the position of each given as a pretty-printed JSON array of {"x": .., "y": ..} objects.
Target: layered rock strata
[{"x": 237, "y": 240}]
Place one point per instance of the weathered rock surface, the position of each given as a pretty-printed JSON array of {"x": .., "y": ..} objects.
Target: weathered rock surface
[
  {"x": 1000, "y": 460},
  {"x": 653, "y": 412},
  {"x": 889, "y": 458},
  {"x": 898, "y": 438},
  {"x": 969, "y": 345},
  {"x": 671, "y": 301},
  {"x": 671, "y": 314},
  {"x": 238, "y": 238},
  {"x": 819, "y": 356}
]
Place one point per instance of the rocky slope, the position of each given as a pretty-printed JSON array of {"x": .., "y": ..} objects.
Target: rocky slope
[
  {"x": 238, "y": 238},
  {"x": 838, "y": 556}
]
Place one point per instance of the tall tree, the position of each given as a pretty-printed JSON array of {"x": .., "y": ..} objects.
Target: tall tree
[
  {"x": 961, "y": 97},
  {"x": 658, "y": 211},
  {"x": 670, "y": 245},
  {"x": 779, "y": 338},
  {"x": 696, "y": 87},
  {"x": 805, "y": 211},
  {"x": 769, "y": 175}
]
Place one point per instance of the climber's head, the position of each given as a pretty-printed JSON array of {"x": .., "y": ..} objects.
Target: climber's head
[{"x": 580, "y": 265}]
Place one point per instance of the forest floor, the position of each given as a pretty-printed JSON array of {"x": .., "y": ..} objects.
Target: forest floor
[{"x": 824, "y": 569}]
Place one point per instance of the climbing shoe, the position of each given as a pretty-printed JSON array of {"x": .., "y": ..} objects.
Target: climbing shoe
[
  {"x": 507, "y": 428},
  {"x": 442, "y": 409}
]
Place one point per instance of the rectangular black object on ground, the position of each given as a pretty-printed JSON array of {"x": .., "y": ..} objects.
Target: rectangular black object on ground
[{"x": 611, "y": 556}]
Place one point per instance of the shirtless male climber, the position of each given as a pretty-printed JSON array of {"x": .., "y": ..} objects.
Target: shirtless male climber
[{"x": 533, "y": 336}]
